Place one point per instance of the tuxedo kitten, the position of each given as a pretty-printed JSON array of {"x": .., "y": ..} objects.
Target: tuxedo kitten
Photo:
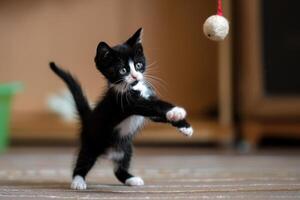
[{"x": 108, "y": 129}]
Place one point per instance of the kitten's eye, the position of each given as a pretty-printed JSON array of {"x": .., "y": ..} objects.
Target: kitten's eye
[
  {"x": 122, "y": 71},
  {"x": 138, "y": 65}
]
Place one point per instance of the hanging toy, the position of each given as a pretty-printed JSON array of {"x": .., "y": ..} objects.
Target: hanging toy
[{"x": 216, "y": 27}]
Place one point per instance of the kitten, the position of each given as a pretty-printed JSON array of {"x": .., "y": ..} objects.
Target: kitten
[{"x": 108, "y": 129}]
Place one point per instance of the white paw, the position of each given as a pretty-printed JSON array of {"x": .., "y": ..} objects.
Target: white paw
[
  {"x": 134, "y": 181},
  {"x": 78, "y": 183},
  {"x": 188, "y": 131},
  {"x": 176, "y": 114}
]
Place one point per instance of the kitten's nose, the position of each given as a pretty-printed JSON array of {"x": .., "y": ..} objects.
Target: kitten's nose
[{"x": 134, "y": 77}]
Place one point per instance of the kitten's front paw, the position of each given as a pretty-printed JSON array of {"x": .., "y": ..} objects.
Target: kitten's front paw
[
  {"x": 134, "y": 181},
  {"x": 78, "y": 183},
  {"x": 188, "y": 131},
  {"x": 176, "y": 114}
]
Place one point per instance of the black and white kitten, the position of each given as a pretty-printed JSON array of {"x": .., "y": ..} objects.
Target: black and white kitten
[{"x": 108, "y": 129}]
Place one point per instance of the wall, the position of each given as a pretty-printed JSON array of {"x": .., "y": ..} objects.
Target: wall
[{"x": 36, "y": 31}]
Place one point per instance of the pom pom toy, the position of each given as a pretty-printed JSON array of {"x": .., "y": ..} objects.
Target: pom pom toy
[{"x": 216, "y": 27}]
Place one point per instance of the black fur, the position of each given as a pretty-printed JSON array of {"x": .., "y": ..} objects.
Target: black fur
[
  {"x": 81, "y": 102},
  {"x": 98, "y": 131}
]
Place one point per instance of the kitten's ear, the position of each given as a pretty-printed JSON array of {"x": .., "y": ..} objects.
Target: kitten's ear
[
  {"x": 103, "y": 50},
  {"x": 139, "y": 50},
  {"x": 135, "y": 38}
]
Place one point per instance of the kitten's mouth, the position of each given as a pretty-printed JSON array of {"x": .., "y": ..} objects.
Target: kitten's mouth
[{"x": 134, "y": 83}]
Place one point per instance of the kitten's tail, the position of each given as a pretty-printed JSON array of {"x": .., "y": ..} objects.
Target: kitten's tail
[{"x": 81, "y": 102}]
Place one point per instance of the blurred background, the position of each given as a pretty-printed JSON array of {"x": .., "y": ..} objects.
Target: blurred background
[{"x": 241, "y": 92}]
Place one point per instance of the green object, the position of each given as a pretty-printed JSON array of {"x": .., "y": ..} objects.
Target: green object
[{"x": 7, "y": 92}]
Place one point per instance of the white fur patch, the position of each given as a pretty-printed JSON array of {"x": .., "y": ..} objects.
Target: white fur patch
[
  {"x": 134, "y": 75},
  {"x": 143, "y": 89},
  {"x": 176, "y": 114},
  {"x": 78, "y": 183},
  {"x": 130, "y": 125},
  {"x": 113, "y": 154},
  {"x": 134, "y": 181},
  {"x": 188, "y": 131}
]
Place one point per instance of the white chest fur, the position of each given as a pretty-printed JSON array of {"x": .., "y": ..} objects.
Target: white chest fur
[
  {"x": 143, "y": 89},
  {"x": 130, "y": 125}
]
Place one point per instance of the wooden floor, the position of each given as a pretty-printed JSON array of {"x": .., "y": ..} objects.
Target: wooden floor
[{"x": 169, "y": 173}]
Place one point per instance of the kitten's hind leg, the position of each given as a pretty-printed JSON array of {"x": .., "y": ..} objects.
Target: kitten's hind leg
[
  {"x": 122, "y": 165},
  {"x": 84, "y": 163}
]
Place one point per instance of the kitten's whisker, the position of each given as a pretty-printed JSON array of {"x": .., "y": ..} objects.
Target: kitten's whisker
[
  {"x": 118, "y": 96},
  {"x": 152, "y": 69},
  {"x": 120, "y": 80},
  {"x": 158, "y": 90},
  {"x": 123, "y": 91},
  {"x": 153, "y": 87},
  {"x": 161, "y": 87},
  {"x": 151, "y": 65},
  {"x": 159, "y": 82},
  {"x": 117, "y": 91},
  {"x": 152, "y": 72},
  {"x": 155, "y": 77},
  {"x": 126, "y": 92}
]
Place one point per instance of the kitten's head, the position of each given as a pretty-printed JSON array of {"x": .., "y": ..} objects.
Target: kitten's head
[{"x": 124, "y": 63}]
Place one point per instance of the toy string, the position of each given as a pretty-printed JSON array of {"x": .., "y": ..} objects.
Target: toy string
[{"x": 220, "y": 10}]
